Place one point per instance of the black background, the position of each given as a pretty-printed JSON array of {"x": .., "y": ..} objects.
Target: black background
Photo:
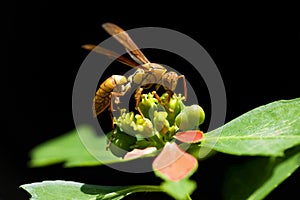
[{"x": 256, "y": 49}]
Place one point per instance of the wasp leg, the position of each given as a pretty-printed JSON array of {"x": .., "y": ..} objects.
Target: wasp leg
[
  {"x": 170, "y": 93},
  {"x": 162, "y": 103},
  {"x": 184, "y": 86},
  {"x": 112, "y": 127},
  {"x": 111, "y": 109},
  {"x": 137, "y": 96}
]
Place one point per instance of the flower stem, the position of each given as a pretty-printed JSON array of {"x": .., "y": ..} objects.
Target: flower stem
[
  {"x": 157, "y": 141},
  {"x": 188, "y": 197}
]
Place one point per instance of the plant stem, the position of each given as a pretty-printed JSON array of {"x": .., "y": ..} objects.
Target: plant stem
[{"x": 133, "y": 189}]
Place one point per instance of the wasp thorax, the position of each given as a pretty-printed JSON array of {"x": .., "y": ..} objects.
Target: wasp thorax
[
  {"x": 137, "y": 77},
  {"x": 157, "y": 70},
  {"x": 151, "y": 74}
]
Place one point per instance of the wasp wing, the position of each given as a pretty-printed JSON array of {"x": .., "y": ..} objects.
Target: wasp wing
[
  {"x": 121, "y": 36},
  {"x": 110, "y": 54}
]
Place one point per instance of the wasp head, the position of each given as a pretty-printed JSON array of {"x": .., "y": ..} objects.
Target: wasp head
[{"x": 169, "y": 80}]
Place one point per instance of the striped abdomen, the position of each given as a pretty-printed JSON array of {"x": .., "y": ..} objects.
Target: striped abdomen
[{"x": 102, "y": 98}]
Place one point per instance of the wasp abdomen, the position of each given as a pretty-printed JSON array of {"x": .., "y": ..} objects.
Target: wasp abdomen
[{"x": 103, "y": 97}]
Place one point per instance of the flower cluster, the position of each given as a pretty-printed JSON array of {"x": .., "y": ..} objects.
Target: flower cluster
[{"x": 163, "y": 120}]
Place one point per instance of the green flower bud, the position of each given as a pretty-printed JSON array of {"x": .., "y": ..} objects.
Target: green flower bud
[
  {"x": 161, "y": 124},
  {"x": 121, "y": 142},
  {"x": 175, "y": 105},
  {"x": 147, "y": 102},
  {"x": 134, "y": 125},
  {"x": 147, "y": 130},
  {"x": 190, "y": 118},
  {"x": 172, "y": 131}
]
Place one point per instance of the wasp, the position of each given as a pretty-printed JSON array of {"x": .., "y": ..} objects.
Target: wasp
[{"x": 146, "y": 75}]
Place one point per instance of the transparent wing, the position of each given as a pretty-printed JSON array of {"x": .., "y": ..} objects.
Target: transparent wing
[
  {"x": 110, "y": 54},
  {"x": 121, "y": 36}
]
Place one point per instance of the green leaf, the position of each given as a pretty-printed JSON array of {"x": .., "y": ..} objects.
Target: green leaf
[
  {"x": 79, "y": 191},
  {"x": 180, "y": 189},
  {"x": 69, "y": 149},
  {"x": 68, "y": 190},
  {"x": 256, "y": 178},
  {"x": 267, "y": 130}
]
